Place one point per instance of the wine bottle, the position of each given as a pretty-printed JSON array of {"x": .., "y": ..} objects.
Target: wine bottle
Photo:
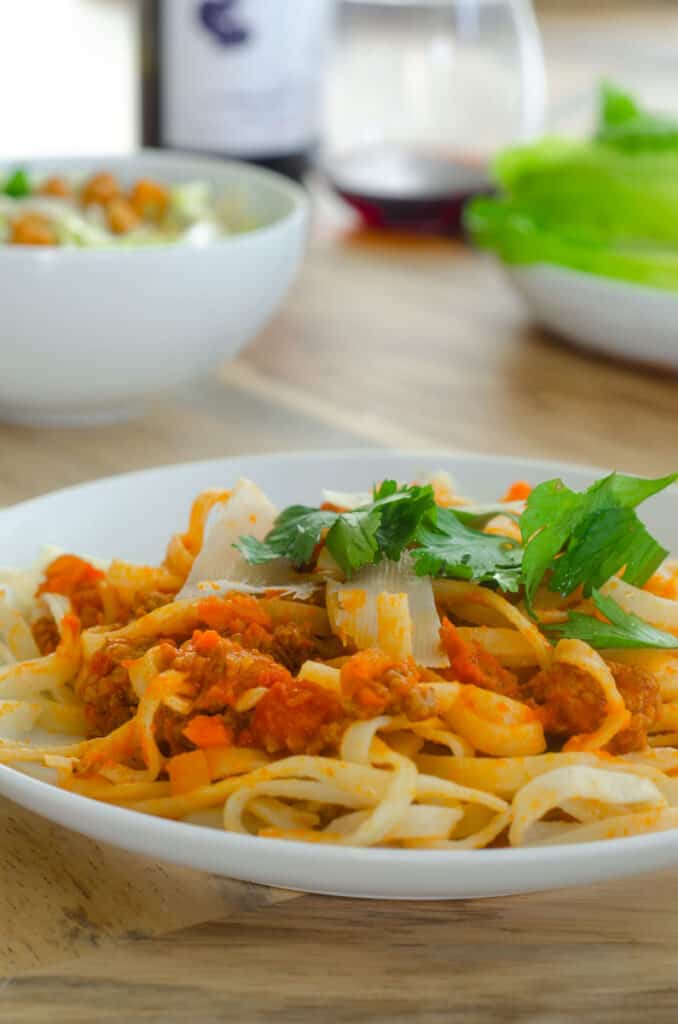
[{"x": 235, "y": 78}]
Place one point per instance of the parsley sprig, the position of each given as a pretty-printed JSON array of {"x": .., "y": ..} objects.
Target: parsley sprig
[
  {"x": 583, "y": 538},
  {"x": 619, "y": 630},
  {"x": 569, "y": 538},
  {"x": 445, "y": 546},
  {"x": 382, "y": 529},
  {"x": 440, "y": 540}
]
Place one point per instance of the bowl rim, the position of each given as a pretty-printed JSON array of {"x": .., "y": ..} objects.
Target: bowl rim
[
  {"x": 604, "y": 281},
  {"x": 297, "y": 195}
]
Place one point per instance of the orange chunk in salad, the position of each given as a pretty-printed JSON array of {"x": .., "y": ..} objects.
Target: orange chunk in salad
[
  {"x": 121, "y": 216},
  {"x": 100, "y": 189},
  {"x": 32, "y": 229},
  {"x": 55, "y": 186},
  {"x": 150, "y": 199}
]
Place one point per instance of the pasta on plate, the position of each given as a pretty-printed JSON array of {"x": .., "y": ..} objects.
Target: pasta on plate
[{"x": 397, "y": 668}]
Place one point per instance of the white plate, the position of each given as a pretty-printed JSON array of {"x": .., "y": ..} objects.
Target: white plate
[
  {"x": 132, "y": 516},
  {"x": 630, "y": 321}
]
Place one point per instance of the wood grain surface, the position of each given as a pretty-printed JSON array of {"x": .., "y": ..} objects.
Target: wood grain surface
[
  {"x": 605, "y": 954},
  {"x": 391, "y": 343}
]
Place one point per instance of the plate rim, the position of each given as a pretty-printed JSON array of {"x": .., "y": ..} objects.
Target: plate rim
[{"x": 315, "y": 455}]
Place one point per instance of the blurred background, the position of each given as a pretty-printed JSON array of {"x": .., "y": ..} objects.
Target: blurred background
[
  {"x": 87, "y": 95},
  {"x": 392, "y": 112}
]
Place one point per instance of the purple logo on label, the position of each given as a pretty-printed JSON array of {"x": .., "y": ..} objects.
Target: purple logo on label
[{"x": 221, "y": 19}]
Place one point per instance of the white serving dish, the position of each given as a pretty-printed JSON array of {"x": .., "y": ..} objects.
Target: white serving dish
[
  {"x": 627, "y": 321},
  {"x": 89, "y": 335},
  {"x": 151, "y": 505}
]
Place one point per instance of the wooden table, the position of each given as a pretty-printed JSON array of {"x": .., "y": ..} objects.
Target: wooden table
[{"x": 386, "y": 343}]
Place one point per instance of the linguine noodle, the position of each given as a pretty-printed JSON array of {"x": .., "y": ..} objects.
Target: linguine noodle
[{"x": 391, "y": 708}]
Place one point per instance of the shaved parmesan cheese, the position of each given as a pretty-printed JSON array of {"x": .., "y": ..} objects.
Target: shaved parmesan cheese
[
  {"x": 6, "y": 656},
  {"x": 388, "y": 606},
  {"x": 248, "y": 512},
  {"x": 394, "y": 624},
  {"x": 347, "y": 499},
  {"x": 278, "y": 578},
  {"x": 444, "y": 488},
  {"x": 447, "y": 494},
  {"x": 220, "y": 568},
  {"x": 17, "y": 717}
]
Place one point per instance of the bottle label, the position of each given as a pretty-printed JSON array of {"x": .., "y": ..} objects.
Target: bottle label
[{"x": 242, "y": 76}]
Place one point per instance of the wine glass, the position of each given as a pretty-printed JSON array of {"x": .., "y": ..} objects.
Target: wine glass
[{"x": 420, "y": 94}]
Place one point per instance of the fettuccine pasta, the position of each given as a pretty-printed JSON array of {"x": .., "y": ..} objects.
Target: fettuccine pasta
[{"x": 417, "y": 696}]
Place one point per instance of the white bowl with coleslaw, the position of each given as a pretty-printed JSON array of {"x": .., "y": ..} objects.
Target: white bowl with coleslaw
[{"x": 94, "y": 327}]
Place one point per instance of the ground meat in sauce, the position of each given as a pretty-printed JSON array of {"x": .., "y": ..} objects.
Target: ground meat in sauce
[
  {"x": 223, "y": 671},
  {"x": 292, "y": 646},
  {"x": 297, "y": 718},
  {"x": 471, "y": 663},
  {"x": 570, "y": 702},
  {"x": 147, "y": 601},
  {"x": 46, "y": 634},
  {"x": 292, "y": 717},
  {"x": 375, "y": 684},
  {"x": 79, "y": 581},
  {"x": 105, "y": 688}
]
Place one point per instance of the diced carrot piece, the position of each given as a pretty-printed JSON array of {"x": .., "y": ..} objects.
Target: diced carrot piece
[
  {"x": 518, "y": 491},
  {"x": 188, "y": 772},
  {"x": 208, "y": 731}
]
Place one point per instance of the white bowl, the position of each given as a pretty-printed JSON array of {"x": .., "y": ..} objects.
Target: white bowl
[
  {"x": 630, "y": 321},
  {"x": 151, "y": 505},
  {"x": 90, "y": 335}
]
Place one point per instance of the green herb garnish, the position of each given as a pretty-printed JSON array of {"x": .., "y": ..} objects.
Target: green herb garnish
[
  {"x": 366, "y": 535},
  {"x": 18, "y": 185},
  {"x": 584, "y": 538},
  {"x": 622, "y": 630},
  {"x": 570, "y": 539},
  {"x": 447, "y": 547}
]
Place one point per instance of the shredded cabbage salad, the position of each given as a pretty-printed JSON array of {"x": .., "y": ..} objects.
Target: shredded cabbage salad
[{"x": 100, "y": 212}]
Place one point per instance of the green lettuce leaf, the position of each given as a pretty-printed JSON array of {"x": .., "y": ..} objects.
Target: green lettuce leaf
[{"x": 608, "y": 206}]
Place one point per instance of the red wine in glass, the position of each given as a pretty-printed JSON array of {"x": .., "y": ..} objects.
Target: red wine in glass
[{"x": 406, "y": 188}]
